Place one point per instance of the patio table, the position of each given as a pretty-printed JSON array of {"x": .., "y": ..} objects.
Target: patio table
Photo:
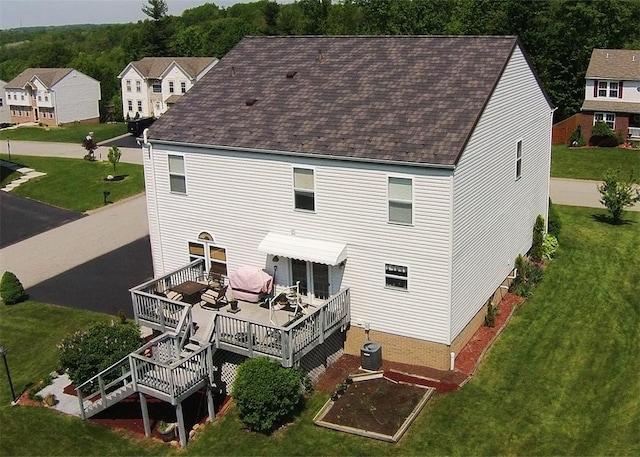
[{"x": 190, "y": 290}]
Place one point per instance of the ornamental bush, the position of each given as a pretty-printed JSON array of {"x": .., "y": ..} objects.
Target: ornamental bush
[
  {"x": 266, "y": 393},
  {"x": 86, "y": 353},
  {"x": 602, "y": 135},
  {"x": 11, "y": 289},
  {"x": 527, "y": 277},
  {"x": 576, "y": 139},
  {"x": 618, "y": 193},
  {"x": 538, "y": 238},
  {"x": 555, "y": 224}
]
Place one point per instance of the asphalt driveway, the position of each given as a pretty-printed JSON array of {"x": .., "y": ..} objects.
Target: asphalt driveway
[
  {"x": 23, "y": 218},
  {"x": 101, "y": 284}
]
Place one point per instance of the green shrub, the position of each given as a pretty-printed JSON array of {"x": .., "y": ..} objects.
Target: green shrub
[
  {"x": 555, "y": 224},
  {"x": 602, "y": 135},
  {"x": 265, "y": 393},
  {"x": 85, "y": 354},
  {"x": 538, "y": 237},
  {"x": 549, "y": 246},
  {"x": 618, "y": 193},
  {"x": 576, "y": 139},
  {"x": 492, "y": 312},
  {"x": 11, "y": 289},
  {"x": 528, "y": 275}
]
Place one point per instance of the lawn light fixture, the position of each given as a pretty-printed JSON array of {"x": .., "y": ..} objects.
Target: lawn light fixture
[{"x": 3, "y": 353}]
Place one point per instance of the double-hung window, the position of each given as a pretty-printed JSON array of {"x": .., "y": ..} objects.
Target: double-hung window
[
  {"x": 138, "y": 86},
  {"x": 519, "y": 159},
  {"x": 139, "y": 106},
  {"x": 130, "y": 105},
  {"x": 609, "y": 89},
  {"x": 608, "y": 118},
  {"x": 400, "y": 200},
  {"x": 304, "y": 189},
  {"x": 128, "y": 83},
  {"x": 396, "y": 276},
  {"x": 177, "y": 176},
  {"x": 171, "y": 87},
  {"x": 183, "y": 87}
]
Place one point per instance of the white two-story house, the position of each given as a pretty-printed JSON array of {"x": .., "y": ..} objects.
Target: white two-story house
[
  {"x": 53, "y": 96},
  {"x": 409, "y": 170},
  {"x": 386, "y": 185},
  {"x": 151, "y": 85},
  {"x": 612, "y": 92}
]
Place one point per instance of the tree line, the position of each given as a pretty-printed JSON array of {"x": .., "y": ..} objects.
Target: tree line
[{"x": 558, "y": 35}]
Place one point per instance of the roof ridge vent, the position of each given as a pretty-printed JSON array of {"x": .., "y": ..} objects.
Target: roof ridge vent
[
  {"x": 250, "y": 101},
  {"x": 291, "y": 74}
]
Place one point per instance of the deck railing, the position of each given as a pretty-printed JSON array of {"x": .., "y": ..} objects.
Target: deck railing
[
  {"x": 158, "y": 312},
  {"x": 288, "y": 343}
]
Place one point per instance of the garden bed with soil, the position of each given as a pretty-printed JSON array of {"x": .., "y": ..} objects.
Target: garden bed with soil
[{"x": 365, "y": 409}]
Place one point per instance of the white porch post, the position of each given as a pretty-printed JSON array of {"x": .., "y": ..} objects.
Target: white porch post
[
  {"x": 145, "y": 414},
  {"x": 181, "y": 429}
]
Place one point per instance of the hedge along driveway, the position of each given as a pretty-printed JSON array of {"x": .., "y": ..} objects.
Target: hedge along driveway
[{"x": 77, "y": 184}]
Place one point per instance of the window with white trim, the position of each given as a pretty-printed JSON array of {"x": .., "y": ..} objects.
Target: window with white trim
[
  {"x": 21, "y": 96},
  {"x": 183, "y": 87},
  {"x": 39, "y": 98},
  {"x": 396, "y": 276},
  {"x": 400, "y": 193},
  {"x": 139, "y": 106},
  {"x": 177, "y": 177},
  {"x": 128, "y": 84},
  {"x": 608, "y": 89},
  {"x": 608, "y": 118},
  {"x": 130, "y": 105},
  {"x": 138, "y": 86},
  {"x": 519, "y": 159},
  {"x": 304, "y": 189},
  {"x": 1, "y": 104},
  {"x": 46, "y": 98},
  {"x": 8, "y": 96},
  {"x": 214, "y": 256},
  {"x": 157, "y": 88},
  {"x": 171, "y": 87}
]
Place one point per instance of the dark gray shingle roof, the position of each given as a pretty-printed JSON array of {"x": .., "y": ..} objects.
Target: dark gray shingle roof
[
  {"x": 410, "y": 99},
  {"x": 154, "y": 67}
]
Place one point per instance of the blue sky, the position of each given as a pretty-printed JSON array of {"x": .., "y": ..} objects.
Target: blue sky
[{"x": 29, "y": 13}]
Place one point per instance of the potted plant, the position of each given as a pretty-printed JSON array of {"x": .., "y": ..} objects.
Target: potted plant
[
  {"x": 234, "y": 304},
  {"x": 167, "y": 430}
]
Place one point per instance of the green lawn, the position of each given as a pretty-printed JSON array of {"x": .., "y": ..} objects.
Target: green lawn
[
  {"x": 591, "y": 163},
  {"x": 561, "y": 380},
  {"x": 70, "y": 134},
  {"x": 77, "y": 184},
  {"x": 7, "y": 175}
]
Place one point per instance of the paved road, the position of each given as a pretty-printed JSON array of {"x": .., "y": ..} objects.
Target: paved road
[
  {"x": 578, "y": 192},
  {"x": 127, "y": 144},
  {"x": 56, "y": 251},
  {"x": 23, "y": 218}
]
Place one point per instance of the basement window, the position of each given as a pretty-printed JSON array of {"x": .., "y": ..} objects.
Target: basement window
[{"x": 396, "y": 276}]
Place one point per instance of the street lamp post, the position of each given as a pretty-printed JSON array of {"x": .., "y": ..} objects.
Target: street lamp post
[
  {"x": 3, "y": 353},
  {"x": 9, "y": 148}
]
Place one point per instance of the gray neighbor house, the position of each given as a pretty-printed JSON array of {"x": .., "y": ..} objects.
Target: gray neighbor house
[{"x": 384, "y": 185}]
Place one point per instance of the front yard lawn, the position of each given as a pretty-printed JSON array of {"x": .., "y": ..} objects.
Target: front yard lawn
[
  {"x": 561, "y": 380},
  {"x": 591, "y": 163},
  {"x": 77, "y": 184},
  {"x": 69, "y": 134}
]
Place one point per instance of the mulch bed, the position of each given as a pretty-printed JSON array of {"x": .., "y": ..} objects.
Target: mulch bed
[{"x": 127, "y": 414}]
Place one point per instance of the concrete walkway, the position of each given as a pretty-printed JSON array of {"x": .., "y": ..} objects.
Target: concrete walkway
[
  {"x": 51, "y": 253},
  {"x": 578, "y": 192},
  {"x": 72, "y": 150}
]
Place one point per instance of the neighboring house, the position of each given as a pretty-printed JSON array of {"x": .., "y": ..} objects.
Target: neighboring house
[
  {"x": 151, "y": 85},
  {"x": 5, "y": 115},
  {"x": 612, "y": 92},
  {"x": 393, "y": 180},
  {"x": 53, "y": 96}
]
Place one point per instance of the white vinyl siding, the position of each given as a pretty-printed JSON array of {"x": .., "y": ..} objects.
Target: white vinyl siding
[
  {"x": 76, "y": 98},
  {"x": 494, "y": 213},
  {"x": 341, "y": 217}
]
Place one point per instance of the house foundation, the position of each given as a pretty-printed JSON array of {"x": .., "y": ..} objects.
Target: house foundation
[{"x": 415, "y": 351}]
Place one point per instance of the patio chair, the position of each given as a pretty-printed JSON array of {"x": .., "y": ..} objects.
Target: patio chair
[
  {"x": 215, "y": 298},
  {"x": 213, "y": 280}
]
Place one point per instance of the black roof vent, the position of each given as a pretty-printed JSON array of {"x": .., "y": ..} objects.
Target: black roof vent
[
  {"x": 232, "y": 73},
  {"x": 291, "y": 74},
  {"x": 250, "y": 101}
]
